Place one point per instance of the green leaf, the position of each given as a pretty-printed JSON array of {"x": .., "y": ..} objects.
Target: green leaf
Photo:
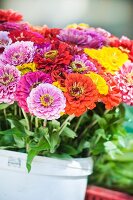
[
  {"x": 54, "y": 141},
  {"x": 69, "y": 133},
  {"x": 35, "y": 149},
  {"x": 8, "y": 132},
  {"x": 3, "y": 106},
  {"x": 69, "y": 150},
  {"x": 20, "y": 143},
  {"x": 100, "y": 134},
  {"x": 16, "y": 123},
  {"x": 83, "y": 145},
  {"x": 31, "y": 154},
  {"x": 53, "y": 126},
  {"x": 101, "y": 121}
]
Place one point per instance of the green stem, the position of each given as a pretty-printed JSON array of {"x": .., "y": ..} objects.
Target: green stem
[
  {"x": 36, "y": 122},
  {"x": 79, "y": 121},
  {"x": 44, "y": 123},
  {"x": 86, "y": 129},
  {"x": 31, "y": 121},
  {"x": 19, "y": 112},
  {"x": 5, "y": 114},
  {"x": 15, "y": 109},
  {"x": 65, "y": 123},
  {"x": 4, "y": 111},
  {"x": 26, "y": 119}
]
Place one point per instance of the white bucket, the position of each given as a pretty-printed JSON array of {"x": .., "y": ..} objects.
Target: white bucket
[{"x": 49, "y": 179}]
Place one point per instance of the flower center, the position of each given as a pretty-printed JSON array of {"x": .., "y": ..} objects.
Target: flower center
[
  {"x": 46, "y": 100},
  {"x": 76, "y": 91},
  {"x": 17, "y": 56},
  {"x": 6, "y": 79},
  {"x": 51, "y": 54},
  {"x": 78, "y": 66},
  {"x": 130, "y": 78}
]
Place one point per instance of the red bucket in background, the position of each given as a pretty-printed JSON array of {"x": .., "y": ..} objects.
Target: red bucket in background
[{"x": 98, "y": 193}]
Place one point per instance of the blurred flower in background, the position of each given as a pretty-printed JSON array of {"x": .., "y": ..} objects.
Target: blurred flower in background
[{"x": 113, "y": 15}]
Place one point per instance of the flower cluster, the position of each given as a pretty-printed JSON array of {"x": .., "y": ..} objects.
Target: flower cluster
[{"x": 54, "y": 71}]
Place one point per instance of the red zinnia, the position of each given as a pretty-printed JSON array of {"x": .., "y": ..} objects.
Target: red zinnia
[
  {"x": 59, "y": 55},
  {"x": 10, "y": 16},
  {"x": 81, "y": 94},
  {"x": 19, "y": 35},
  {"x": 124, "y": 43}
]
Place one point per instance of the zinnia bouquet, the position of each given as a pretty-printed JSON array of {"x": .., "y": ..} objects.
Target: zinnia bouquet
[{"x": 61, "y": 89}]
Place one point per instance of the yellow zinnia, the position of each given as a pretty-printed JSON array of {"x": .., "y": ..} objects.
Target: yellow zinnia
[
  {"x": 81, "y": 25},
  {"x": 111, "y": 58},
  {"x": 100, "y": 83},
  {"x": 27, "y": 67}
]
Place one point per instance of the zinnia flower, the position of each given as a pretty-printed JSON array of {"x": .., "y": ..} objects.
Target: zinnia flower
[
  {"x": 10, "y": 16},
  {"x": 26, "y": 83},
  {"x": 84, "y": 37},
  {"x": 58, "y": 55},
  {"x": 100, "y": 83},
  {"x": 46, "y": 101},
  {"x": 4, "y": 39},
  {"x": 124, "y": 43},
  {"x": 9, "y": 77},
  {"x": 18, "y": 53},
  {"x": 26, "y": 35},
  {"x": 124, "y": 79},
  {"x": 113, "y": 98},
  {"x": 10, "y": 26},
  {"x": 27, "y": 67},
  {"x": 78, "y": 26},
  {"x": 81, "y": 64},
  {"x": 110, "y": 58},
  {"x": 81, "y": 94}
]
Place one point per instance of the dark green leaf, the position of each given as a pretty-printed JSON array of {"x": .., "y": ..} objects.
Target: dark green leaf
[{"x": 69, "y": 133}]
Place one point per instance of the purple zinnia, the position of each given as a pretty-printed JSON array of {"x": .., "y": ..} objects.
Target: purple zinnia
[
  {"x": 81, "y": 64},
  {"x": 26, "y": 83},
  {"x": 9, "y": 77},
  {"x": 46, "y": 101},
  {"x": 84, "y": 38},
  {"x": 42, "y": 48},
  {"x": 18, "y": 53}
]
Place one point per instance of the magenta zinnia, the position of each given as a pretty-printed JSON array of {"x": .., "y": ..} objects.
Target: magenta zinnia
[
  {"x": 18, "y": 53},
  {"x": 46, "y": 101},
  {"x": 26, "y": 83},
  {"x": 9, "y": 77}
]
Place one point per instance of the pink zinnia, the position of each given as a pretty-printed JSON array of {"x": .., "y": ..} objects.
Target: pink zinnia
[
  {"x": 26, "y": 83},
  {"x": 18, "y": 53},
  {"x": 9, "y": 77},
  {"x": 46, "y": 101},
  {"x": 125, "y": 82}
]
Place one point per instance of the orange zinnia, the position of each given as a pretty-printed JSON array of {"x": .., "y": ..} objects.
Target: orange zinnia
[{"x": 81, "y": 94}]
